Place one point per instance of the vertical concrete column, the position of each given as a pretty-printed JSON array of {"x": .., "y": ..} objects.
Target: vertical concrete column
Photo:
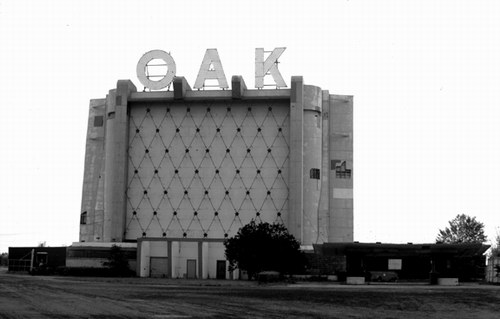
[
  {"x": 116, "y": 161},
  {"x": 200, "y": 260},
  {"x": 295, "y": 202},
  {"x": 144, "y": 254},
  {"x": 312, "y": 137},
  {"x": 341, "y": 151},
  {"x": 204, "y": 260},
  {"x": 238, "y": 87},
  {"x": 169, "y": 254},
  {"x": 138, "y": 258},
  {"x": 181, "y": 86},
  {"x": 174, "y": 260},
  {"x": 99, "y": 204},
  {"x": 324, "y": 200}
]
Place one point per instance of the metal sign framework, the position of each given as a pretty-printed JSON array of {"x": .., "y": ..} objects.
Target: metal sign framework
[{"x": 210, "y": 69}]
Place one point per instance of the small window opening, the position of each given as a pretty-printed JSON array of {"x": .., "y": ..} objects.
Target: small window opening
[
  {"x": 314, "y": 173},
  {"x": 98, "y": 121},
  {"x": 83, "y": 218}
]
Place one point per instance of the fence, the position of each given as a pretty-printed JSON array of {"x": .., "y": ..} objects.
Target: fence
[{"x": 19, "y": 264}]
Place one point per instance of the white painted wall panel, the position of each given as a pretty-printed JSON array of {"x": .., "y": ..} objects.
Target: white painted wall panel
[{"x": 205, "y": 169}]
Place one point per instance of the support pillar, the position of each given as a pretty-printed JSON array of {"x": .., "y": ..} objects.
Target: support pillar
[
  {"x": 170, "y": 261},
  {"x": 295, "y": 203},
  {"x": 324, "y": 209},
  {"x": 116, "y": 162},
  {"x": 174, "y": 260},
  {"x": 312, "y": 137},
  {"x": 143, "y": 258},
  {"x": 204, "y": 260}
]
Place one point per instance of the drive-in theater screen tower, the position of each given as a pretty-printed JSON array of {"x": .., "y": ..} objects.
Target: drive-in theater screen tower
[{"x": 174, "y": 172}]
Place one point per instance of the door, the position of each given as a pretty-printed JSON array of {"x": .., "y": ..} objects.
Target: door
[
  {"x": 158, "y": 267},
  {"x": 191, "y": 268},
  {"x": 221, "y": 269},
  {"x": 42, "y": 259}
]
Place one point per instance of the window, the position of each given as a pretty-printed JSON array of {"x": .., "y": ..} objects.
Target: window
[
  {"x": 83, "y": 218},
  {"x": 98, "y": 120},
  {"x": 314, "y": 173},
  {"x": 343, "y": 174}
]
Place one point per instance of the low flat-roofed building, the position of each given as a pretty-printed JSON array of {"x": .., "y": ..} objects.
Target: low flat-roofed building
[
  {"x": 27, "y": 258},
  {"x": 391, "y": 262}
]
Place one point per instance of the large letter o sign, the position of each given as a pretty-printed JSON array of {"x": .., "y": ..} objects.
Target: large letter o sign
[{"x": 141, "y": 69}]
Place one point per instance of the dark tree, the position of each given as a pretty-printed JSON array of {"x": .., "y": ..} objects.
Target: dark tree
[
  {"x": 262, "y": 246},
  {"x": 118, "y": 262},
  {"x": 4, "y": 259},
  {"x": 462, "y": 229}
]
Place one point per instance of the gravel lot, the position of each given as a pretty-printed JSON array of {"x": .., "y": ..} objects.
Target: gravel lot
[{"x": 24, "y": 296}]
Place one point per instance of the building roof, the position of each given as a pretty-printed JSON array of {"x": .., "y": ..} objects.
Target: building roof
[{"x": 379, "y": 249}]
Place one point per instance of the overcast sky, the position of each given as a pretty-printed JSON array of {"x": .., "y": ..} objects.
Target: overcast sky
[{"x": 425, "y": 76}]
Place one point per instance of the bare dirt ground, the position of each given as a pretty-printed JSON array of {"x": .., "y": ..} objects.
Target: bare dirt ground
[{"x": 24, "y": 296}]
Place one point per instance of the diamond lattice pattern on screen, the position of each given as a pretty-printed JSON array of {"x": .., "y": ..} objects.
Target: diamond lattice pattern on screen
[{"x": 204, "y": 169}]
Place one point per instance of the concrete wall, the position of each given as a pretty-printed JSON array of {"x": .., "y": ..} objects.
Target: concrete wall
[
  {"x": 184, "y": 251},
  {"x": 215, "y": 252},
  {"x": 341, "y": 150},
  {"x": 201, "y": 164},
  {"x": 158, "y": 249},
  {"x": 179, "y": 251},
  {"x": 92, "y": 212},
  {"x": 325, "y": 197}
]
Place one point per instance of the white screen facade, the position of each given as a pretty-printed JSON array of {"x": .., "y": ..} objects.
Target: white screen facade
[{"x": 205, "y": 169}]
